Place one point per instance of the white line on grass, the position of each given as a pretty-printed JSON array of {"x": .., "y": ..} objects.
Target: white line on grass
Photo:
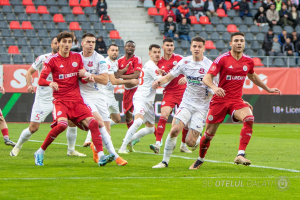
[{"x": 188, "y": 158}]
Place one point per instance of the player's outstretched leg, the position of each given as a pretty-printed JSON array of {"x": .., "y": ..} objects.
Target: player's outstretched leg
[
  {"x": 183, "y": 147},
  {"x": 88, "y": 140},
  {"x": 161, "y": 126},
  {"x": 24, "y": 137},
  {"x": 71, "y": 138},
  {"x": 4, "y": 131}
]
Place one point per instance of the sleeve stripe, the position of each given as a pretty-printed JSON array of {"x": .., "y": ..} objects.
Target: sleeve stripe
[
  {"x": 49, "y": 58},
  {"x": 217, "y": 60}
]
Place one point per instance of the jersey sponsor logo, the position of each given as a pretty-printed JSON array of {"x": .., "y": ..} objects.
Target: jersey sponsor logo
[
  {"x": 37, "y": 59},
  {"x": 230, "y": 67},
  {"x": 102, "y": 62},
  {"x": 59, "y": 113},
  {"x": 90, "y": 64},
  {"x": 61, "y": 66},
  {"x": 194, "y": 80},
  {"x": 201, "y": 71},
  {"x": 63, "y": 76},
  {"x": 108, "y": 66},
  {"x": 235, "y": 78},
  {"x": 210, "y": 117},
  {"x": 186, "y": 62},
  {"x": 245, "y": 68},
  {"x": 175, "y": 63},
  {"x": 74, "y": 64}
]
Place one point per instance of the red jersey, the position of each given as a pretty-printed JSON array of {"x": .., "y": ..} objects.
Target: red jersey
[
  {"x": 167, "y": 66},
  {"x": 65, "y": 74},
  {"x": 135, "y": 64},
  {"x": 232, "y": 74}
]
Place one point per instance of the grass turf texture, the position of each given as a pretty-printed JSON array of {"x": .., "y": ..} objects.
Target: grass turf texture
[{"x": 65, "y": 177}]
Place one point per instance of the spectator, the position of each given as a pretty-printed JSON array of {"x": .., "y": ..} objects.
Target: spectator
[
  {"x": 198, "y": 8},
  {"x": 170, "y": 28},
  {"x": 210, "y": 8},
  {"x": 244, "y": 8},
  {"x": 285, "y": 16},
  {"x": 221, "y": 4},
  {"x": 278, "y": 4},
  {"x": 172, "y": 3},
  {"x": 276, "y": 48},
  {"x": 282, "y": 37},
  {"x": 268, "y": 40},
  {"x": 260, "y": 16},
  {"x": 184, "y": 30},
  {"x": 289, "y": 6},
  {"x": 288, "y": 47},
  {"x": 298, "y": 49},
  {"x": 183, "y": 12},
  {"x": 169, "y": 12},
  {"x": 101, "y": 8},
  {"x": 273, "y": 16},
  {"x": 76, "y": 45},
  {"x": 295, "y": 16},
  {"x": 100, "y": 45},
  {"x": 294, "y": 38},
  {"x": 266, "y": 4}
]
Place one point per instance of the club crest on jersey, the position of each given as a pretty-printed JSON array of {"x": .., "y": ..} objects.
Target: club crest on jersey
[
  {"x": 201, "y": 71},
  {"x": 210, "y": 117},
  {"x": 74, "y": 64},
  {"x": 108, "y": 66},
  {"x": 59, "y": 113},
  {"x": 163, "y": 103},
  {"x": 245, "y": 68},
  {"x": 90, "y": 64},
  {"x": 175, "y": 63},
  {"x": 213, "y": 68},
  {"x": 186, "y": 62},
  {"x": 156, "y": 72}
]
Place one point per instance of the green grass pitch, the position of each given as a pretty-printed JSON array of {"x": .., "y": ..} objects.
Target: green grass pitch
[{"x": 274, "y": 174}]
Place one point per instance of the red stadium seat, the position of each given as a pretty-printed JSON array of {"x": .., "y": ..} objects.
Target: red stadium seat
[
  {"x": 73, "y": 3},
  {"x": 13, "y": 50},
  {"x": 74, "y": 26},
  {"x": 26, "y": 25},
  {"x": 42, "y": 10},
  {"x": 231, "y": 28},
  {"x": 209, "y": 45},
  {"x": 228, "y": 4},
  {"x": 4, "y": 3},
  {"x": 30, "y": 10},
  {"x": 160, "y": 4},
  {"x": 14, "y": 25},
  {"x": 221, "y": 12},
  {"x": 114, "y": 34},
  {"x": 105, "y": 21},
  {"x": 94, "y": 3},
  {"x": 237, "y": 7},
  {"x": 193, "y": 20},
  {"x": 152, "y": 11},
  {"x": 257, "y": 62},
  {"x": 162, "y": 11},
  {"x": 27, "y": 3},
  {"x": 85, "y": 3},
  {"x": 78, "y": 11},
  {"x": 58, "y": 18},
  {"x": 204, "y": 20}
]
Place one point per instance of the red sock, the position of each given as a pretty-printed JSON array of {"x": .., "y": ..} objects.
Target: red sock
[
  {"x": 129, "y": 124},
  {"x": 246, "y": 132},
  {"x": 184, "y": 134},
  {"x": 204, "y": 144},
  {"x": 4, "y": 132},
  {"x": 96, "y": 135},
  {"x": 161, "y": 126},
  {"x": 155, "y": 131},
  {"x": 59, "y": 128}
]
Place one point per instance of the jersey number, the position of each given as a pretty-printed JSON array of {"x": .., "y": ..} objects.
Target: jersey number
[
  {"x": 37, "y": 117},
  {"x": 142, "y": 78}
]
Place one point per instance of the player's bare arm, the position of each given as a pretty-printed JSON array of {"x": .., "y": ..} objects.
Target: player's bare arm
[
  {"x": 248, "y": 104},
  {"x": 101, "y": 78},
  {"x": 2, "y": 89},
  {"x": 135, "y": 75},
  {"x": 162, "y": 80},
  {"x": 116, "y": 81},
  {"x": 54, "y": 86},
  {"x": 256, "y": 80},
  {"x": 122, "y": 71},
  {"x": 29, "y": 73},
  {"x": 208, "y": 80},
  {"x": 182, "y": 81}
]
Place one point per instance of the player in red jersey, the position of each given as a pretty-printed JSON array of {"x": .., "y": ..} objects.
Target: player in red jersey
[
  {"x": 172, "y": 94},
  {"x": 66, "y": 67},
  {"x": 130, "y": 67},
  {"x": 233, "y": 68}
]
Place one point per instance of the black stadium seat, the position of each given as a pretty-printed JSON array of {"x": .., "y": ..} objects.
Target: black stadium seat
[
  {"x": 94, "y": 18},
  {"x": 254, "y": 29},
  {"x": 197, "y": 28},
  {"x": 3, "y": 25},
  {"x": 203, "y": 34},
  {"x": 53, "y": 10},
  {"x": 249, "y": 36},
  {"x": 209, "y": 28},
  {"x": 3, "y": 50},
  {"x": 62, "y": 26},
  {"x": 255, "y": 45},
  {"x": 10, "y": 41},
  {"x": 220, "y": 44},
  {"x": 50, "y": 26},
  {"x": 226, "y": 36},
  {"x": 25, "y": 49},
  {"x": 50, "y": 3},
  {"x": 119, "y": 42},
  {"x": 39, "y": 3},
  {"x": 23, "y": 17},
  {"x": 260, "y": 37},
  {"x": 178, "y": 51},
  {"x": 30, "y": 34},
  {"x": 243, "y": 28},
  {"x": 18, "y": 33},
  {"x": 6, "y": 33},
  {"x": 279, "y": 62},
  {"x": 185, "y": 44},
  {"x": 248, "y": 21},
  {"x": 48, "y": 50},
  {"x": 62, "y": 3},
  {"x": 215, "y": 20},
  {"x": 22, "y": 42},
  {"x": 16, "y": 2},
  {"x": 226, "y": 21},
  {"x": 70, "y": 18},
  {"x": 11, "y": 17},
  {"x": 34, "y": 42},
  {"x": 53, "y": 33},
  {"x": 34, "y": 17},
  {"x": 89, "y": 10},
  {"x": 98, "y": 26},
  {"x": 221, "y": 28},
  {"x": 107, "y": 42},
  {"x": 237, "y": 21},
  {"x": 5, "y": 59},
  {"x": 43, "y": 34},
  {"x": 38, "y": 51},
  {"x": 19, "y": 9},
  {"x": 78, "y": 34},
  {"x": 81, "y": 18},
  {"x": 215, "y": 36},
  {"x": 7, "y": 9},
  {"x": 18, "y": 59},
  {"x": 47, "y": 18},
  {"x": 46, "y": 42},
  {"x": 86, "y": 26},
  {"x": 65, "y": 10},
  {"x": 29, "y": 59},
  {"x": 192, "y": 34},
  {"x": 109, "y": 27},
  {"x": 249, "y": 52},
  {"x": 103, "y": 34}
]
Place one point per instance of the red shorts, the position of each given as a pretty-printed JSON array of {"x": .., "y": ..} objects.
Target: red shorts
[
  {"x": 218, "y": 110},
  {"x": 127, "y": 100},
  {"x": 76, "y": 111},
  {"x": 171, "y": 99}
]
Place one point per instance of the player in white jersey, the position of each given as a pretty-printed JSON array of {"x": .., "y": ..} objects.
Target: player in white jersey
[
  {"x": 143, "y": 100},
  {"x": 195, "y": 101},
  {"x": 96, "y": 67},
  {"x": 43, "y": 106}
]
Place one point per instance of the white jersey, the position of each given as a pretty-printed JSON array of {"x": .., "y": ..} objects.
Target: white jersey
[
  {"x": 197, "y": 94},
  {"x": 95, "y": 64},
  {"x": 113, "y": 68},
  {"x": 43, "y": 92},
  {"x": 148, "y": 75}
]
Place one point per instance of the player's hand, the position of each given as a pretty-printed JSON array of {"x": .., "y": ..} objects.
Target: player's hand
[
  {"x": 82, "y": 72},
  {"x": 274, "y": 90},
  {"x": 134, "y": 81},
  {"x": 2, "y": 89},
  {"x": 155, "y": 85},
  {"x": 219, "y": 92},
  {"x": 54, "y": 86},
  {"x": 161, "y": 72},
  {"x": 248, "y": 104},
  {"x": 89, "y": 79},
  {"x": 182, "y": 81},
  {"x": 30, "y": 89},
  {"x": 127, "y": 66}
]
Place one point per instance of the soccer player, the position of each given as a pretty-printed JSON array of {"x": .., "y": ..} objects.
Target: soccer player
[
  {"x": 195, "y": 101},
  {"x": 66, "y": 67},
  {"x": 233, "y": 68},
  {"x": 96, "y": 66},
  {"x": 172, "y": 94},
  {"x": 134, "y": 64},
  {"x": 143, "y": 100},
  {"x": 43, "y": 106},
  {"x": 3, "y": 125}
]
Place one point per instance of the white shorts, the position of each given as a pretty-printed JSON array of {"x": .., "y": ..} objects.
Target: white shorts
[
  {"x": 40, "y": 110},
  {"x": 146, "y": 109},
  {"x": 195, "y": 118},
  {"x": 112, "y": 103},
  {"x": 98, "y": 105}
]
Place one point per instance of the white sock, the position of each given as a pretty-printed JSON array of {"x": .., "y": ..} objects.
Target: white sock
[
  {"x": 157, "y": 143},
  {"x": 198, "y": 141},
  {"x": 241, "y": 152},
  {"x": 169, "y": 147},
  {"x": 201, "y": 159},
  {"x": 88, "y": 137},
  {"x": 182, "y": 144},
  {"x": 142, "y": 132},
  {"x": 107, "y": 142},
  {"x": 24, "y": 137},
  {"x": 100, "y": 154},
  {"x": 132, "y": 130},
  {"x": 71, "y": 138},
  {"x": 41, "y": 151},
  {"x": 112, "y": 123}
]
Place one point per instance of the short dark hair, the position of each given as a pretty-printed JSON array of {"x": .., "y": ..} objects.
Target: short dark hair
[
  {"x": 235, "y": 34},
  {"x": 88, "y": 35},
  {"x": 113, "y": 45},
  {"x": 198, "y": 39},
  {"x": 64, "y": 34},
  {"x": 53, "y": 38},
  {"x": 168, "y": 39},
  {"x": 131, "y": 42},
  {"x": 154, "y": 46}
]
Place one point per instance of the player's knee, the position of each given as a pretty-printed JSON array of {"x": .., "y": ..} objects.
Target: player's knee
[
  {"x": 248, "y": 121},
  {"x": 175, "y": 131},
  {"x": 190, "y": 142},
  {"x": 137, "y": 122},
  {"x": 93, "y": 124},
  {"x": 33, "y": 128},
  {"x": 128, "y": 118},
  {"x": 165, "y": 114},
  {"x": 62, "y": 125},
  {"x": 117, "y": 119},
  {"x": 150, "y": 130}
]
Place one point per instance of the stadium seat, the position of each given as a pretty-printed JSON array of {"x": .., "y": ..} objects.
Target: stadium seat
[
  {"x": 249, "y": 52},
  {"x": 42, "y": 34},
  {"x": 18, "y": 33},
  {"x": 231, "y": 28},
  {"x": 237, "y": 21},
  {"x": 179, "y": 51},
  {"x": 215, "y": 20},
  {"x": 204, "y": 20},
  {"x": 30, "y": 34},
  {"x": 53, "y": 33},
  {"x": 77, "y": 11},
  {"x": 221, "y": 12},
  {"x": 78, "y": 34},
  {"x": 13, "y": 50},
  {"x": 185, "y": 44},
  {"x": 70, "y": 18},
  {"x": 257, "y": 5},
  {"x": 253, "y": 12},
  {"x": 157, "y": 19},
  {"x": 209, "y": 28},
  {"x": 257, "y": 62},
  {"x": 237, "y": 7},
  {"x": 38, "y": 25},
  {"x": 74, "y": 26},
  {"x": 6, "y": 33},
  {"x": 193, "y": 20},
  {"x": 246, "y": 45},
  {"x": 226, "y": 37},
  {"x": 65, "y": 10},
  {"x": 7, "y": 9},
  {"x": 268, "y": 61},
  {"x": 231, "y": 13},
  {"x": 42, "y": 10},
  {"x": 248, "y": 21},
  {"x": 34, "y": 42},
  {"x": 221, "y": 28},
  {"x": 58, "y": 18},
  {"x": 188, "y": 52},
  {"x": 23, "y": 17},
  {"x": 47, "y": 18},
  {"x": 197, "y": 28},
  {"x": 277, "y": 29},
  {"x": 30, "y": 10},
  {"x": 114, "y": 34},
  {"x": 38, "y": 51},
  {"x": 228, "y": 5},
  {"x": 48, "y": 49},
  {"x": 50, "y": 3},
  {"x": 107, "y": 21},
  {"x": 261, "y": 52},
  {"x": 4, "y": 3},
  {"x": 291, "y": 62},
  {"x": 46, "y": 42},
  {"x": 297, "y": 29},
  {"x": 288, "y": 29},
  {"x": 203, "y": 34},
  {"x": 86, "y": 26},
  {"x": 103, "y": 34},
  {"x": 94, "y": 18},
  {"x": 162, "y": 11},
  {"x": 251, "y": 6},
  {"x": 29, "y": 59},
  {"x": 5, "y": 59},
  {"x": 265, "y": 29},
  {"x": 220, "y": 44},
  {"x": 50, "y": 25},
  {"x": 98, "y": 26},
  {"x": 279, "y": 62},
  {"x": 161, "y": 27},
  {"x": 249, "y": 36},
  {"x": 192, "y": 34},
  {"x": 215, "y": 36},
  {"x": 160, "y": 4},
  {"x": 19, "y": 9},
  {"x": 27, "y": 3},
  {"x": 209, "y": 45},
  {"x": 25, "y": 49},
  {"x": 62, "y": 26},
  {"x": 148, "y": 4},
  {"x": 22, "y": 42},
  {"x": 243, "y": 28},
  {"x": 89, "y": 10},
  {"x": 214, "y": 52},
  {"x": 18, "y": 59},
  {"x": 53, "y": 10},
  {"x": 119, "y": 42},
  {"x": 26, "y": 25},
  {"x": 16, "y": 2},
  {"x": 39, "y": 2},
  {"x": 152, "y": 12},
  {"x": 108, "y": 42},
  {"x": 224, "y": 51},
  {"x": 15, "y": 25},
  {"x": 3, "y": 25},
  {"x": 254, "y": 29},
  {"x": 2, "y": 17},
  {"x": 81, "y": 18},
  {"x": 94, "y": 3},
  {"x": 3, "y": 50},
  {"x": 110, "y": 27},
  {"x": 61, "y": 3},
  {"x": 260, "y": 37},
  {"x": 34, "y": 17},
  {"x": 121, "y": 50},
  {"x": 73, "y": 3},
  {"x": 11, "y": 17},
  {"x": 85, "y": 3}
]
